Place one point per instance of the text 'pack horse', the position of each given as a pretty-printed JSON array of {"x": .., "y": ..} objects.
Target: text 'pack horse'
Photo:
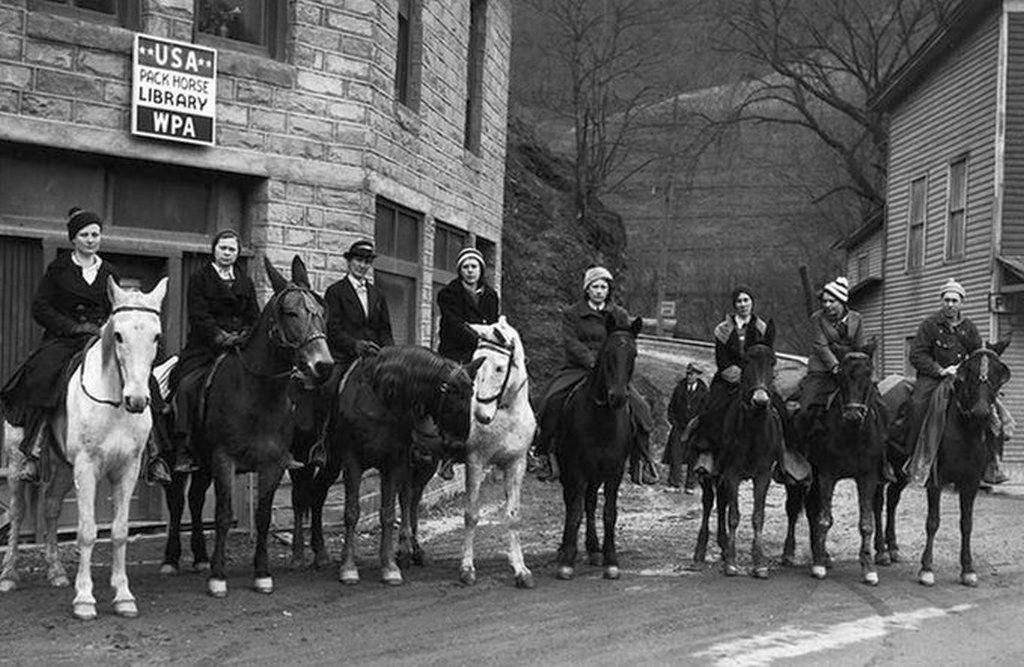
[
  {"x": 752, "y": 440},
  {"x": 846, "y": 442},
  {"x": 247, "y": 421},
  {"x": 594, "y": 442},
  {"x": 384, "y": 402},
  {"x": 101, "y": 432},
  {"x": 500, "y": 434}
]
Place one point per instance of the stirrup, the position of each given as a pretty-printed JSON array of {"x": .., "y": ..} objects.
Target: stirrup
[
  {"x": 157, "y": 472},
  {"x": 29, "y": 471}
]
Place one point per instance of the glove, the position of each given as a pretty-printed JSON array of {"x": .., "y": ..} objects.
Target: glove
[
  {"x": 366, "y": 348},
  {"x": 85, "y": 328},
  {"x": 225, "y": 339},
  {"x": 732, "y": 374}
]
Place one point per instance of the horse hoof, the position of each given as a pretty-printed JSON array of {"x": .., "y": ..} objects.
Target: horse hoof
[
  {"x": 169, "y": 570},
  {"x": 392, "y": 577},
  {"x": 731, "y": 570},
  {"x": 871, "y": 578},
  {"x": 126, "y": 609},
  {"x": 883, "y": 558},
  {"x": 926, "y": 578},
  {"x": 217, "y": 588},
  {"x": 263, "y": 585},
  {"x": 201, "y": 566},
  {"x": 85, "y": 611},
  {"x": 969, "y": 579},
  {"x": 699, "y": 558},
  {"x": 525, "y": 580},
  {"x": 760, "y": 572},
  {"x": 467, "y": 576},
  {"x": 60, "y": 581},
  {"x": 612, "y": 572},
  {"x": 595, "y": 559},
  {"x": 788, "y": 561},
  {"x": 419, "y": 559},
  {"x": 565, "y": 572},
  {"x": 349, "y": 577},
  {"x": 8, "y": 585},
  {"x": 819, "y": 571},
  {"x": 894, "y": 555}
]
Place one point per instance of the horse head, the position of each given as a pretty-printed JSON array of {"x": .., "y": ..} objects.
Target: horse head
[
  {"x": 978, "y": 380},
  {"x": 758, "y": 375},
  {"x": 856, "y": 384},
  {"x": 502, "y": 372},
  {"x": 615, "y": 360},
  {"x": 130, "y": 338},
  {"x": 296, "y": 323},
  {"x": 455, "y": 399}
]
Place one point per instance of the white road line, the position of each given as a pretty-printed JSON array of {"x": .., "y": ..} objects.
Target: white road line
[{"x": 792, "y": 642}]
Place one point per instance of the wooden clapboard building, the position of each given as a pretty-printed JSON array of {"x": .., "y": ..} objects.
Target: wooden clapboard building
[{"x": 335, "y": 121}]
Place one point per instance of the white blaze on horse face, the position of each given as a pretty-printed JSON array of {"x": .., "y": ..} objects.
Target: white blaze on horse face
[{"x": 134, "y": 329}]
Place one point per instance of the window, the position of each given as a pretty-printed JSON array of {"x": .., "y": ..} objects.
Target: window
[
  {"x": 475, "y": 74},
  {"x": 398, "y": 265},
  {"x": 908, "y": 368},
  {"x": 863, "y": 268},
  {"x": 448, "y": 242},
  {"x": 116, "y": 12},
  {"x": 915, "y": 233},
  {"x": 256, "y": 26},
  {"x": 406, "y": 54},
  {"x": 956, "y": 210}
]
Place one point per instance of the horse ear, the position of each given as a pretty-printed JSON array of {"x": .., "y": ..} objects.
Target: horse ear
[
  {"x": 157, "y": 294},
  {"x": 299, "y": 274},
  {"x": 1000, "y": 346},
  {"x": 869, "y": 349},
  {"x": 114, "y": 291},
  {"x": 276, "y": 279},
  {"x": 473, "y": 366},
  {"x": 637, "y": 326},
  {"x": 769, "y": 334}
]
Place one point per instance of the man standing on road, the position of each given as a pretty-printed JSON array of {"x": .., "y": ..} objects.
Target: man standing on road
[{"x": 688, "y": 400}]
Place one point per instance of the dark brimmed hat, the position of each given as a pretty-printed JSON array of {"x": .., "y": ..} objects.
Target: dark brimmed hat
[
  {"x": 79, "y": 220},
  {"x": 360, "y": 249},
  {"x": 693, "y": 368}
]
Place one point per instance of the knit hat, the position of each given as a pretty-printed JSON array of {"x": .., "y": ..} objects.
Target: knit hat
[
  {"x": 740, "y": 289},
  {"x": 360, "y": 249},
  {"x": 839, "y": 288},
  {"x": 79, "y": 220},
  {"x": 953, "y": 286},
  {"x": 596, "y": 273},
  {"x": 467, "y": 254}
]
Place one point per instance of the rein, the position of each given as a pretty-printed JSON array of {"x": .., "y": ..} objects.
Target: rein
[
  {"x": 120, "y": 375},
  {"x": 501, "y": 349}
]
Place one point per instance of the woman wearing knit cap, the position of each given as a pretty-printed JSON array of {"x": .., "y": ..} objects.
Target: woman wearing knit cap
[
  {"x": 70, "y": 304},
  {"x": 835, "y": 330},
  {"x": 583, "y": 334},
  {"x": 467, "y": 299}
]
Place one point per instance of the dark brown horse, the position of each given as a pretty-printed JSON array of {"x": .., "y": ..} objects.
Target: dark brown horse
[
  {"x": 384, "y": 404},
  {"x": 593, "y": 447},
  {"x": 247, "y": 423},
  {"x": 846, "y": 441},
  {"x": 752, "y": 440}
]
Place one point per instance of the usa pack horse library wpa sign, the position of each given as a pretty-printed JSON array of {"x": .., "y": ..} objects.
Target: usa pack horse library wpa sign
[{"x": 174, "y": 90}]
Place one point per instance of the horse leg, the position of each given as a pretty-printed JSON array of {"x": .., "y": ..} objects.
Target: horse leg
[
  {"x": 85, "y": 483},
  {"x": 268, "y": 480},
  {"x": 391, "y": 482},
  {"x": 223, "y": 470},
  {"x": 823, "y": 521},
  {"x": 410, "y": 550},
  {"x": 59, "y": 486},
  {"x": 722, "y": 518},
  {"x": 611, "y": 516},
  {"x": 302, "y": 483},
  {"x": 707, "y": 498},
  {"x": 16, "y": 512},
  {"x": 123, "y": 486},
  {"x": 926, "y": 576},
  {"x": 572, "y": 495},
  {"x": 591, "y": 542},
  {"x": 348, "y": 573},
  {"x": 866, "y": 488},
  {"x": 968, "y": 577},
  {"x": 760, "y": 563},
  {"x": 197, "y": 488},
  {"x": 795, "y": 495},
  {"x": 474, "y": 477},
  {"x": 317, "y": 498},
  {"x": 730, "y": 488},
  {"x": 513, "y": 498},
  {"x": 893, "y": 495},
  {"x": 878, "y": 509},
  {"x": 174, "y": 495}
]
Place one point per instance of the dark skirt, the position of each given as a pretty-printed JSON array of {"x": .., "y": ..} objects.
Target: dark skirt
[{"x": 35, "y": 385}]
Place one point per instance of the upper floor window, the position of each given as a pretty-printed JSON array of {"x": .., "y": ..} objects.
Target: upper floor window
[
  {"x": 956, "y": 210},
  {"x": 256, "y": 26},
  {"x": 448, "y": 242},
  {"x": 116, "y": 12},
  {"x": 475, "y": 74},
  {"x": 863, "y": 268},
  {"x": 916, "y": 229},
  {"x": 407, "y": 51}
]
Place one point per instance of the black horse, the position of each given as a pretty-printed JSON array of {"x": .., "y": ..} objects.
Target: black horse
[
  {"x": 593, "y": 446},
  {"x": 964, "y": 451},
  {"x": 846, "y": 441},
  {"x": 394, "y": 412},
  {"x": 247, "y": 422}
]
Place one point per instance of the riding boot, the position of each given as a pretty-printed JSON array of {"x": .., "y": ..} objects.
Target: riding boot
[
  {"x": 642, "y": 469},
  {"x": 994, "y": 473},
  {"x": 32, "y": 448},
  {"x": 158, "y": 445},
  {"x": 184, "y": 461},
  {"x": 690, "y": 482}
]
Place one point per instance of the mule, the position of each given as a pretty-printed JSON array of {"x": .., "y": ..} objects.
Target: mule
[
  {"x": 247, "y": 422},
  {"x": 752, "y": 441},
  {"x": 895, "y": 391},
  {"x": 100, "y": 430},
  {"x": 592, "y": 448},
  {"x": 500, "y": 434},
  {"x": 385, "y": 403}
]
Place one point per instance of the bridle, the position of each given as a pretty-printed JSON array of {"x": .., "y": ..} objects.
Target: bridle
[
  {"x": 983, "y": 379},
  {"x": 859, "y": 408},
  {"x": 120, "y": 374},
  {"x": 309, "y": 333},
  {"x": 507, "y": 351}
]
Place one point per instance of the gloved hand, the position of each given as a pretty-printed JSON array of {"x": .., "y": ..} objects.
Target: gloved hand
[
  {"x": 732, "y": 374},
  {"x": 225, "y": 339},
  {"x": 949, "y": 371},
  {"x": 366, "y": 348},
  {"x": 85, "y": 328}
]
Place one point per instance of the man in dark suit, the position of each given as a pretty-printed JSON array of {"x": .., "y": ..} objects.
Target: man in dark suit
[
  {"x": 688, "y": 401},
  {"x": 358, "y": 323}
]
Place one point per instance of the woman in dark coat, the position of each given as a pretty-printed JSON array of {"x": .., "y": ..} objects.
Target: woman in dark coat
[
  {"x": 583, "y": 333},
  {"x": 71, "y": 304}
]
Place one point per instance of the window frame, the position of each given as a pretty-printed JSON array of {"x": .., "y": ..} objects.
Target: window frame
[
  {"x": 275, "y": 24},
  {"x": 408, "y": 53},
  {"x": 956, "y": 237},
  {"x": 388, "y": 263},
  {"x": 126, "y": 12},
  {"x": 476, "y": 56},
  {"x": 916, "y": 262}
]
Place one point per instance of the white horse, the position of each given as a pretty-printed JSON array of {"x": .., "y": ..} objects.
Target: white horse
[
  {"x": 100, "y": 431},
  {"x": 500, "y": 434}
]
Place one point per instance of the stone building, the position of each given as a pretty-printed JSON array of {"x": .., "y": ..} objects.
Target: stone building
[{"x": 335, "y": 120}]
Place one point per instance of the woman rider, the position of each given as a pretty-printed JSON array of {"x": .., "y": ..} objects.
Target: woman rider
[
  {"x": 71, "y": 304},
  {"x": 467, "y": 299},
  {"x": 222, "y": 310},
  {"x": 583, "y": 334}
]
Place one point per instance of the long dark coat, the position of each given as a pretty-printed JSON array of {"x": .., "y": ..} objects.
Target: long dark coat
[
  {"x": 684, "y": 405},
  {"x": 62, "y": 300},
  {"x": 347, "y": 323},
  {"x": 459, "y": 309}
]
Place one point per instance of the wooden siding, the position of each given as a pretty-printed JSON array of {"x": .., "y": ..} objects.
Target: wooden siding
[
  {"x": 870, "y": 305},
  {"x": 950, "y": 114}
]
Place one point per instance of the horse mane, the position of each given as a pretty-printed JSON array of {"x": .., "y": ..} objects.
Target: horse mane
[{"x": 408, "y": 375}]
